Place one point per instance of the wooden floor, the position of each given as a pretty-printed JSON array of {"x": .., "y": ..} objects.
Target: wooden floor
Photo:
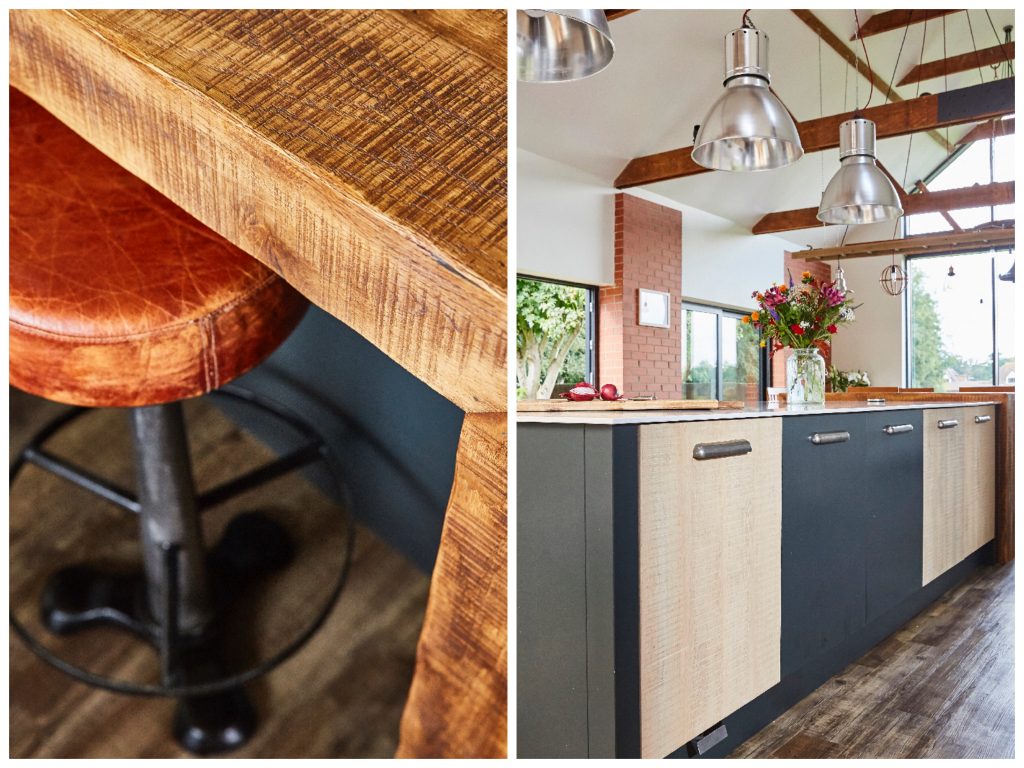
[
  {"x": 942, "y": 687},
  {"x": 341, "y": 696}
]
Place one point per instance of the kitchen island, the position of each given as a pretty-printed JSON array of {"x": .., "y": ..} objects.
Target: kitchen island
[{"x": 686, "y": 576}]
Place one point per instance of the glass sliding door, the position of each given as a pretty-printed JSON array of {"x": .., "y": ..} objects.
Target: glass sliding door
[{"x": 721, "y": 356}]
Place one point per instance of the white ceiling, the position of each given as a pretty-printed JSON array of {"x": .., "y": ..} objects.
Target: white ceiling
[{"x": 668, "y": 69}]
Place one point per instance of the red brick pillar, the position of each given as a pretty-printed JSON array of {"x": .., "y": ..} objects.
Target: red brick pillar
[{"x": 648, "y": 254}]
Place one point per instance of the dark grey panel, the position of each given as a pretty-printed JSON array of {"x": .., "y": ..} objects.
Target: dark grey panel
[
  {"x": 600, "y": 507},
  {"x": 551, "y": 708},
  {"x": 893, "y": 506},
  {"x": 822, "y": 536},
  {"x": 395, "y": 437},
  {"x": 992, "y": 96}
]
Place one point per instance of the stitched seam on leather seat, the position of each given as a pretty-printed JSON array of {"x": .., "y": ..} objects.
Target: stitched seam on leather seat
[{"x": 158, "y": 331}]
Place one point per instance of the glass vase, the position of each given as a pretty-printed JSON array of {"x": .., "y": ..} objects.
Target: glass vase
[{"x": 805, "y": 378}]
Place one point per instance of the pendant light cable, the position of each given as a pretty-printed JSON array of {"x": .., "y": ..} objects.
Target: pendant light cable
[
  {"x": 974, "y": 45},
  {"x": 906, "y": 29},
  {"x": 995, "y": 67},
  {"x": 867, "y": 60}
]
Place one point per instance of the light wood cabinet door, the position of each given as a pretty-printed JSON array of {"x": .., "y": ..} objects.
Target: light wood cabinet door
[
  {"x": 979, "y": 525},
  {"x": 959, "y": 486},
  {"x": 710, "y": 575},
  {"x": 943, "y": 490}
]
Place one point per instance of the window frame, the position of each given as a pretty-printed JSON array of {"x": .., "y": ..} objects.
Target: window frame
[
  {"x": 908, "y": 309},
  {"x": 720, "y": 312},
  {"x": 590, "y": 320}
]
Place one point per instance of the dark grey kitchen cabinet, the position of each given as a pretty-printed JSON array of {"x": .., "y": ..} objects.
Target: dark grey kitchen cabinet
[
  {"x": 851, "y": 525},
  {"x": 823, "y": 554},
  {"x": 892, "y": 508}
]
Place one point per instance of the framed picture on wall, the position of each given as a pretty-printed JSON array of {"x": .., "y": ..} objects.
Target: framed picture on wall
[{"x": 653, "y": 308}]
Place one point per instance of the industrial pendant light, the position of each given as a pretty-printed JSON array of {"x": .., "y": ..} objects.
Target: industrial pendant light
[
  {"x": 560, "y": 45},
  {"x": 859, "y": 193},
  {"x": 748, "y": 128}
]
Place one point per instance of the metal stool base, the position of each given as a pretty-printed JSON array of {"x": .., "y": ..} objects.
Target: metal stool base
[
  {"x": 214, "y": 713},
  {"x": 80, "y": 597}
]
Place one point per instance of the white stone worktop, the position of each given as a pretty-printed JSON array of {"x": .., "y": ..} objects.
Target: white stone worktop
[{"x": 750, "y": 411}]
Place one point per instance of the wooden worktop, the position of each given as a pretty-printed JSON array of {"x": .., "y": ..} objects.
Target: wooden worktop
[{"x": 362, "y": 156}]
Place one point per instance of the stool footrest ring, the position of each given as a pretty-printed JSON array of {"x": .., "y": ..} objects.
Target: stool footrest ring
[{"x": 170, "y": 687}]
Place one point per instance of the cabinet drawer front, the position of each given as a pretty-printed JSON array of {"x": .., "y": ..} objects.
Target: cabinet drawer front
[
  {"x": 892, "y": 506},
  {"x": 980, "y": 478},
  {"x": 944, "y": 473},
  {"x": 709, "y": 552},
  {"x": 823, "y": 514}
]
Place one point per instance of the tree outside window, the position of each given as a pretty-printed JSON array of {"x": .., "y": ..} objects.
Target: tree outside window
[{"x": 551, "y": 337}]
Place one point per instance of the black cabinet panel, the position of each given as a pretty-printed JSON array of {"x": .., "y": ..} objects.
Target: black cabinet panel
[
  {"x": 891, "y": 479},
  {"x": 823, "y": 548}
]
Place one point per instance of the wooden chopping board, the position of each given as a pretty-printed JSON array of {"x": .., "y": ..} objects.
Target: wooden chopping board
[{"x": 560, "y": 404}]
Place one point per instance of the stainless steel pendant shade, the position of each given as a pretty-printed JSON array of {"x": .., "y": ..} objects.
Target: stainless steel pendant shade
[
  {"x": 859, "y": 193},
  {"x": 747, "y": 128},
  {"x": 560, "y": 45}
]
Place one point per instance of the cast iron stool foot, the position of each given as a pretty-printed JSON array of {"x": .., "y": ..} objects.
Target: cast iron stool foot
[{"x": 80, "y": 596}]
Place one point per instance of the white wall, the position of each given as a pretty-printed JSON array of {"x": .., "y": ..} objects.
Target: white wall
[
  {"x": 874, "y": 341},
  {"x": 566, "y": 222},
  {"x": 566, "y": 231},
  {"x": 722, "y": 262}
]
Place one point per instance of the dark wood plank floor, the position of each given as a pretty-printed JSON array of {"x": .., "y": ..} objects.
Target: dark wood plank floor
[
  {"x": 942, "y": 687},
  {"x": 341, "y": 696}
]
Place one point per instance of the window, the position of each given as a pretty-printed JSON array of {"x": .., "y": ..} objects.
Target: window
[
  {"x": 554, "y": 337},
  {"x": 980, "y": 162},
  {"x": 721, "y": 356},
  {"x": 960, "y": 320}
]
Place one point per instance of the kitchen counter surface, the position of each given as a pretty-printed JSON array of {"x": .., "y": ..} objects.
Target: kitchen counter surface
[{"x": 751, "y": 411}]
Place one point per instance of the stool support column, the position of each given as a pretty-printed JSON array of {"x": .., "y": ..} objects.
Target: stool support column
[{"x": 169, "y": 519}]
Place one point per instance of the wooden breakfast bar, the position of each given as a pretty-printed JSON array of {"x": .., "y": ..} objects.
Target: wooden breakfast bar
[{"x": 362, "y": 156}]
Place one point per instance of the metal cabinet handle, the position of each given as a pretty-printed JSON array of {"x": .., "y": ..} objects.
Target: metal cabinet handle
[
  {"x": 982, "y": 419},
  {"x": 704, "y": 451},
  {"x": 948, "y": 423},
  {"x": 898, "y": 429},
  {"x": 827, "y": 438}
]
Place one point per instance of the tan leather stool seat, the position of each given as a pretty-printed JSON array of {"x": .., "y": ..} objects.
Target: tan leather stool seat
[{"x": 119, "y": 297}]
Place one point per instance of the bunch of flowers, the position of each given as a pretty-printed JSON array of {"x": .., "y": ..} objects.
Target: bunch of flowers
[
  {"x": 841, "y": 381},
  {"x": 800, "y": 317}
]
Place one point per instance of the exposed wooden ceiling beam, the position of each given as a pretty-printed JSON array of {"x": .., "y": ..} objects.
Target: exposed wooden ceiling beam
[
  {"x": 923, "y": 188},
  {"x": 890, "y": 20},
  {"x": 918, "y": 245},
  {"x": 964, "y": 105},
  {"x": 930, "y": 70},
  {"x": 619, "y": 14},
  {"x": 999, "y": 193},
  {"x": 990, "y": 129},
  {"x": 844, "y": 51}
]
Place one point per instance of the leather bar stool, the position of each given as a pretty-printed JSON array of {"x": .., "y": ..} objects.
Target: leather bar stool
[{"x": 119, "y": 298}]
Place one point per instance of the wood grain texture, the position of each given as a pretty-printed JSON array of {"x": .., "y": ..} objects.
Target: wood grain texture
[
  {"x": 979, "y": 518},
  {"x": 458, "y": 701},
  {"x": 930, "y": 70},
  {"x": 341, "y": 696},
  {"x": 918, "y": 245},
  {"x": 359, "y": 154},
  {"x": 710, "y": 577},
  {"x": 940, "y": 687},
  {"x": 944, "y": 475}
]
